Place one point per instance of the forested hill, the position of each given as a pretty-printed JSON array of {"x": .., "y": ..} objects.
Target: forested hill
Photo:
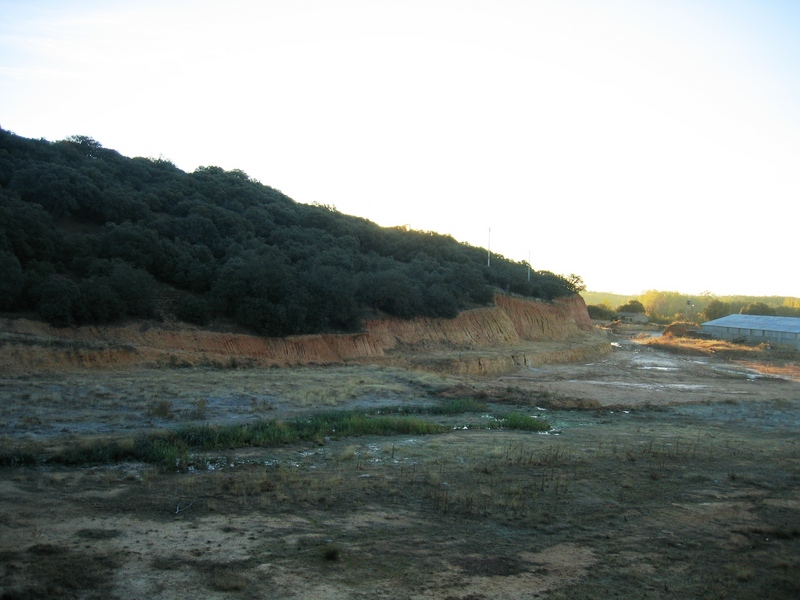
[{"x": 90, "y": 236}]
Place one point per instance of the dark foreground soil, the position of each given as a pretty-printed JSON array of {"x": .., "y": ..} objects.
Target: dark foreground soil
[{"x": 674, "y": 477}]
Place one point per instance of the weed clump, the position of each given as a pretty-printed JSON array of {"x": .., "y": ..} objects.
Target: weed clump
[
  {"x": 17, "y": 458},
  {"x": 331, "y": 552},
  {"x": 199, "y": 411},
  {"x": 524, "y": 422},
  {"x": 227, "y": 579},
  {"x": 457, "y": 406},
  {"x": 161, "y": 409}
]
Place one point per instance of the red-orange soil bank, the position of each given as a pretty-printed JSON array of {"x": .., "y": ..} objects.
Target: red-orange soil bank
[{"x": 493, "y": 339}]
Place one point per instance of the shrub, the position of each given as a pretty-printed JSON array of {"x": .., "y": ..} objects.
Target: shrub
[
  {"x": 103, "y": 304},
  {"x": 193, "y": 310},
  {"x": 525, "y": 422},
  {"x": 331, "y": 552},
  {"x": 136, "y": 288},
  {"x": 60, "y": 301},
  {"x": 12, "y": 281},
  {"x": 602, "y": 313},
  {"x": 633, "y": 306}
]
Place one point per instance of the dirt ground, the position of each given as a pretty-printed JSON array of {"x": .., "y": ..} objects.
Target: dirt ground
[{"x": 672, "y": 476}]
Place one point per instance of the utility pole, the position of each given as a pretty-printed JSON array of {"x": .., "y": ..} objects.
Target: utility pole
[
  {"x": 529, "y": 265},
  {"x": 489, "y": 250}
]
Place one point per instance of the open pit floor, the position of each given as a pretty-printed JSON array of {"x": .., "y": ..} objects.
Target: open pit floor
[{"x": 671, "y": 477}]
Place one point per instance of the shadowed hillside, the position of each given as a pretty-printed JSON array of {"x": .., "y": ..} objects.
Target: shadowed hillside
[{"x": 88, "y": 236}]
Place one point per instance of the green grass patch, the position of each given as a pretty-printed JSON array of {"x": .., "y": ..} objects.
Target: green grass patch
[
  {"x": 338, "y": 424},
  {"x": 172, "y": 447},
  {"x": 160, "y": 447},
  {"x": 457, "y": 406},
  {"x": 454, "y": 406},
  {"x": 524, "y": 422}
]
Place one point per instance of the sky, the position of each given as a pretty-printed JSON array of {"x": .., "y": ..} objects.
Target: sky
[{"x": 640, "y": 144}]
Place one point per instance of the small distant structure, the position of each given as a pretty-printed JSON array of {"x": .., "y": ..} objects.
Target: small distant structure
[
  {"x": 784, "y": 331},
  {"x": 633, "y": 317}
]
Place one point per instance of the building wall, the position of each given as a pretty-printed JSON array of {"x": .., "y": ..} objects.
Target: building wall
[{"x": 754, "y": 335}]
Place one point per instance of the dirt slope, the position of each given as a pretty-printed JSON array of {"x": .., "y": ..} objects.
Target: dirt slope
[{"x": 483, "y": 340}]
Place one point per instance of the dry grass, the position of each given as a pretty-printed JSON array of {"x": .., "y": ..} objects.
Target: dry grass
[
  {"x": 786, "y": 369},
  {"x": 780, "y": 362},
  {"x": 652, "y": 501},
  {"x": 646, "y": 492},
  {"x": 58, "y": 572},
  {"x": 690, "y": 346},
  {"x": 228, "y": 579},
  {"x": 341, "y": 390}
]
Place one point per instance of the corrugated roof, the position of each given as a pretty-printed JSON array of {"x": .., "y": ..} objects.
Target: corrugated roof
[{"x": 788, "y": 324}]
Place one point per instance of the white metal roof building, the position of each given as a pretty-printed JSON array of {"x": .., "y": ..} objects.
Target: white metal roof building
[{"x": 756, "y": 328}]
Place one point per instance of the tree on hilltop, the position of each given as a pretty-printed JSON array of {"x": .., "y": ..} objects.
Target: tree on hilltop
[
  {"x": 758, "y": 308},
  {"x": 716, "y": 309},
  {"x": 633, "y": 306}
]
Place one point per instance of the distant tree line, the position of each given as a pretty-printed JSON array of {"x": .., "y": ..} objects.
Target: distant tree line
[
  {"x": 666, "y": 307},
  {"x": 90, "y": 236}
]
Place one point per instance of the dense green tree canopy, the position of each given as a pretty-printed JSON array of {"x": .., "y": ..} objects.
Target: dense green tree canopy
[
  {"x": 716, "y": 309},
  {"x": 90, "y": 236}
]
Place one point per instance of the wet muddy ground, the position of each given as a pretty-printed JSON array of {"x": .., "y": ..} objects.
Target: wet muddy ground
[{"x": 680, "y": 478}]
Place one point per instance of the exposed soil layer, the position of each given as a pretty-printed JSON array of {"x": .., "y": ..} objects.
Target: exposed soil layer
[{"x": 482, "y": 341}]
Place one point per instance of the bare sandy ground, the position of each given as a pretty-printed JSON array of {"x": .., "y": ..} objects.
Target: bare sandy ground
[
  {"x": 636, "y": 375},
  {"x": 681, "y": 480}
]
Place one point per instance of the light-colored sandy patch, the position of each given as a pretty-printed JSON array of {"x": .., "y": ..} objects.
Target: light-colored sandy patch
[{"x": 552, "y": 568}]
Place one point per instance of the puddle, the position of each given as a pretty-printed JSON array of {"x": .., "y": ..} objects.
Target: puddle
[
  {"x": 654, "y": 362},
  {"x": 745, "y": 373},
  {"x": 645, "y": 386}
]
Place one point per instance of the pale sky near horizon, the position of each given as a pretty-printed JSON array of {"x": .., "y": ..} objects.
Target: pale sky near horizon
[{"x": 641, "y": 144}]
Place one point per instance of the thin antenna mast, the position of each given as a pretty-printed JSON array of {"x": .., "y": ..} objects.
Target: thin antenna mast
[
  {"x": 529, "y": 265},
  {"x": 489, "y": 250}
]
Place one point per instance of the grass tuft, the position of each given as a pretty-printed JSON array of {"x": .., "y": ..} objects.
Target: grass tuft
[
  {"x": 17, "y": 458},
  {"x": 227, "y": 579},
  {"x": 457, "y": 406},
  {"x": 161, "y": 409},
  {"x": 524, "y": 422},
  {"x": 331, "y": 552}
]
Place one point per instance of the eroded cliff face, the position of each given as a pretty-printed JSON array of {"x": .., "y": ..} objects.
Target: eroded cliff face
[
  {"x": 481, "y": 340},
  {"x": 509, "y": 322}
]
